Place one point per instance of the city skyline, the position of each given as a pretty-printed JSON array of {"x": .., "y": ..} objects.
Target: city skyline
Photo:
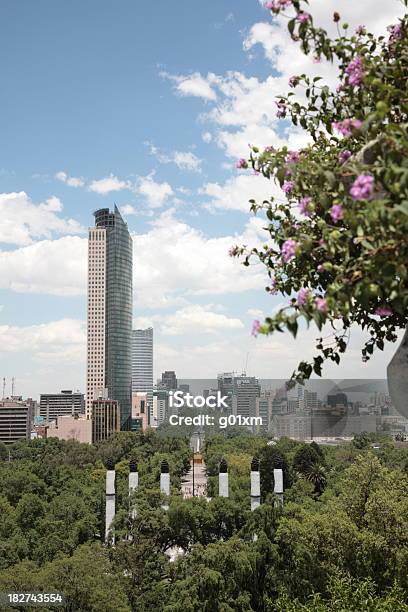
[{"x": 173, "y": 181}]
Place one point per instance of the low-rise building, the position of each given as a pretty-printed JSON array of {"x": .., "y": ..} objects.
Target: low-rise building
[
  {"x": 53, "y": 405},
  {"x": 68, "y": 427},
  {"x": 16, "y": 417},
  {"x": 140, "y": 410}
]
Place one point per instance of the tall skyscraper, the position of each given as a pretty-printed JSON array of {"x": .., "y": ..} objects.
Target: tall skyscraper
[
  {"x": 109, "y": 342},
  {"x": 142, "y": 362}
]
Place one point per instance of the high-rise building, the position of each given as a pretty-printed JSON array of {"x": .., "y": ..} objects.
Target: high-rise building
[
  {"x": 160, "y": 406},
  {"x": 246, "y": 391},
  {"x": 106, "y": 419},
  {"x": 169, "y": 381},
  {"x": 335, "y": 399},
  {"x": 109, "y": 341},
  {"x": 226, "y": 388},
  {"x": 142, "y": 362},
  {"x": 16, "y": 417},
  {"x": 53, "y": 405},
  {"x": 264, "y": 410}
]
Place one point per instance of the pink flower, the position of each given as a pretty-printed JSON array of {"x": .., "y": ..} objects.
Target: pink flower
[
  {"x": 288, "y": 186},
  {"x": 360, "y": 30},
  {"x": 337, "y": 212},
  {"x": 355, "y": 72},
  {"x": 255, "y": 328},
  {"x": 320, "y": 268},
  {"x": 303, "y": 17},
  {"x": 241, "y": 163},
  {"x": 321, "y": 304},
  {"x": 344, "y": 156},
  {"x": 347, "y": 126},
  {"x": 303, "y": 296},
  {"x": 272, "y": 288},
  {"x": 277, "y": 5},
  {"x": 281, "y": 112},
  {"x": 293, "y": 157},
  {"x": 383, "y": 311},
  {"x": 288, "y": 250},
  {"x": 293, "y": 81},
  {"x": 234, "y": 251},
  {"x": 396, "y": 32},
  {"x": 363, "y": 187},
  {"x": 269, "y": 149},
  {"x": 303, "y": 205}
]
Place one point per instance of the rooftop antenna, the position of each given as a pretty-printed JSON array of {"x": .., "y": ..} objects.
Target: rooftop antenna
[
  {"x": 246, "y": 364},
  {"x": 13, "y": 380}
]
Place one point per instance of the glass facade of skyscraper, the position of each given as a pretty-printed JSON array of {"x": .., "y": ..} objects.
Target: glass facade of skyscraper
[
  {"x": 142, "y": 362},
  {"x": 110, "y": 312}
]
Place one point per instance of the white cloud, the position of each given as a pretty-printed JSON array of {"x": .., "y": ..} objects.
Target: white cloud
[
  {"x": 108, "y": 184},
  {"x": 72, "y": 181},
  {"x": 173, "y": 261},
  {"x": 243, "y": 108},
  {"x": 194, "y": 85},
  {"x": 128, "y": 209},
  {"x": 55, "y": 341},
  {"x": 207, "y": 137},
  {"x": 236, "y": 192},
  {"x": 185, "y": 160},
  {"x": 56, "y": 267},
  {"x": 22, "y": 221},
  {"x": 256, "y": 313},
  {"x": 155, "y": 193},
  {"x": 198, "y": 319},
  {"x": 192, "y": 319}
]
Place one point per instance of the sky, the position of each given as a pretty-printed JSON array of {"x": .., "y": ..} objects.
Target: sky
[{"x": 147, "y": 105}]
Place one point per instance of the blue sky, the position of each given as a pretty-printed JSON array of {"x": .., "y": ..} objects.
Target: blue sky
[{"x": 148, "y": 105}]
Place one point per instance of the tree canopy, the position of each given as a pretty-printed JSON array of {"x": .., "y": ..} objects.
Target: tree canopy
[{"x": 341, "y": 544}]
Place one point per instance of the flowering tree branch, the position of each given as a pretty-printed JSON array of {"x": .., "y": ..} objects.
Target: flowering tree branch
[{"x": 339, "y": 239}]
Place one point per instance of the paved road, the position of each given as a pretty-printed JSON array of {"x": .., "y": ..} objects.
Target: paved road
[
  {"x": 200, "y": 481},
  {"x": 200, "y": 478}
]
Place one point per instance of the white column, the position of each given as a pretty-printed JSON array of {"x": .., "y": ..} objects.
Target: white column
[
  {"x": 278, "y": 479},
  {"x": 223, "y": 490},
  {"x": 133, "y": 484},
  {"x": 255, "y": 485},
  {"x": 110, "y": 500},
  {"x": 165, "y": 481}
]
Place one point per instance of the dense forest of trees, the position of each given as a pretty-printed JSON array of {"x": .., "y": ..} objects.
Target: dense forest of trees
[{"x": 340, "y": 542}]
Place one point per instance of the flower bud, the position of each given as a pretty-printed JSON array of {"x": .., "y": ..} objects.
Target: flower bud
[{"x": 336, "y": 17}]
